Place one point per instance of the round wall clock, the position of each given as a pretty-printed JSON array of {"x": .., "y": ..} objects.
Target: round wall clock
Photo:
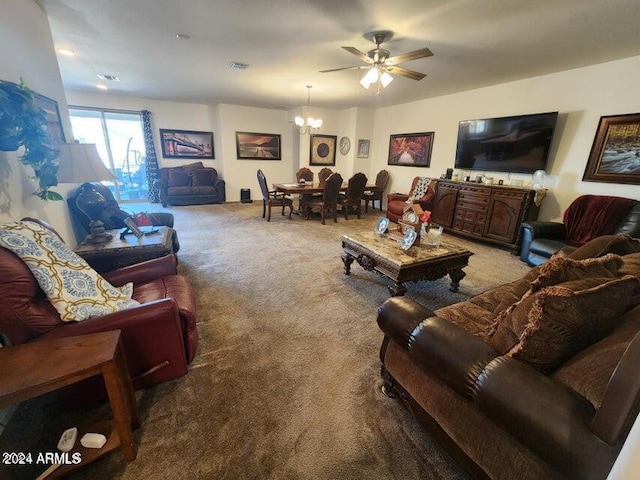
[{"x": 345, "y": 145}]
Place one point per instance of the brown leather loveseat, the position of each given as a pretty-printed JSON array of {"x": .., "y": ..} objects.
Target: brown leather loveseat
[
  {"x": 192, "y": 184},
  {"x": 159, "y": 335},
  {"x": 535, "y": 379}
]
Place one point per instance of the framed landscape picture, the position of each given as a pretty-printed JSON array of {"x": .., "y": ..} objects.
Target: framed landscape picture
[
  {"x": 257, "y": 146},
  {"x": 55, "y": 133},
  {"x": 410, "y": 149},
  {"x": 186, "y": 144},
  {"x": 363, "y": 148},
  {"x": 615, "y": 153},
  {"x": 323, "y": 150}
]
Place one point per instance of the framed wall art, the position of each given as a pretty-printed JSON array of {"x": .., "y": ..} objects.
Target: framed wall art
[
  {"x": 257, "y": 146},
  {"x": 410, "y": 149},
  {"x": 363, "y": 148},
  {"x": 186, "y": 144},
  {"x": 615, "y": 153},
  {"x": 55, "y": 133},
  {"x": 323, "y": 150}
]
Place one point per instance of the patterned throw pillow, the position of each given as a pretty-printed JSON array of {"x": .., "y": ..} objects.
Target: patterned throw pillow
[
  {"x": 75, "y": 290},
  {"x": 420, "y": 190}
]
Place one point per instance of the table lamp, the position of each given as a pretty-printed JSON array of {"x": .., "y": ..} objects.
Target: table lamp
[{"x": 80, "y": 162}]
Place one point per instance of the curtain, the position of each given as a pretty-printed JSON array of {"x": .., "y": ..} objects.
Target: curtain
[{"x": 151, "y": 162}]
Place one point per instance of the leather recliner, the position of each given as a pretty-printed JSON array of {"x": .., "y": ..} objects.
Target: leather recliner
[
  {"x": 396, "y": 201},
  {"x": 588, "y": 217},
  {"x": 159, "y": 335}
]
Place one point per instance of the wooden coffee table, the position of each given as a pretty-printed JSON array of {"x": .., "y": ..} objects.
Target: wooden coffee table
[{"x": 378, "y": 253}]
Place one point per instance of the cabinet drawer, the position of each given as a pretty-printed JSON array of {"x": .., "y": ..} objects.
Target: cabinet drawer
[
  {"x": 480, "y": 191},
  {"x": 509, "y": 195},
  {"x": 471, "y": 197},
  {"x": 467, "y": 205}
]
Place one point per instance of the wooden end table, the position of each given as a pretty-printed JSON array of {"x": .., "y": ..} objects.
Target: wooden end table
[
  {"x": 378, "y": 253},
  {"x": 118, "y": 253},
  {"x": 32, "y": 369}
]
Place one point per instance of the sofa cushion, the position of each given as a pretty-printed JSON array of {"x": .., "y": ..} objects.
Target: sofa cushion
[
  {"x": 191, "y": 167},
  {"x": 618, "y": 244},
  {"x": 564, "y": 319},
  {"x": 179, "y": 178},
  {"x": 202, "y": 177},
  {"x": 472, "y": 318},
  {"x": 630, "y": 265}
]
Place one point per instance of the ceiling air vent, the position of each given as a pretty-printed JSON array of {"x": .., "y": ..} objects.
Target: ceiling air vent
[
  {"x": 109, "y": 78},
  {"x": 239, "y": 65}
]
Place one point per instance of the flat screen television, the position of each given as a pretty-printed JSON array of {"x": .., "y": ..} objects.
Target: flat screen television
[{"x": 518, "y": 144}]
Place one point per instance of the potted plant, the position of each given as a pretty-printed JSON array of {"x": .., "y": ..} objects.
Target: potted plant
[{"x": 23, "y": 124}]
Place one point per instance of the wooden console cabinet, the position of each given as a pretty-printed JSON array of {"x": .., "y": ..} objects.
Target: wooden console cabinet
[{"x": 492, "y": 213}]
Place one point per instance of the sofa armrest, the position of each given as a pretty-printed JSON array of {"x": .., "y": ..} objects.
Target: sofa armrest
[
  {"x": 450, "y": 353},
  {"x": 398, "y": 317},
  {"x": 545, "y": 415},
  {"x": 161, "y": 183},
  {"x": 539, "y": 229},
  {"x": 220, "y": 188},
  {"x": 144, "y": 271}
]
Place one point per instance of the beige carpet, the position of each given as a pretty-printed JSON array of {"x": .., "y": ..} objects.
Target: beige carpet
[{"x": 286, "y": 381}]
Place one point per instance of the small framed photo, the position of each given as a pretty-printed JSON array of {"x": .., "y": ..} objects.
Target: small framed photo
[
  {"x": 615, "y": 151},
  {"x": 410, "y": 149},
  {"x": 131, "y": 225},
  {"x": 323, "y": 150},
  {"x": 257, "y": 146},
  {"x": 186, "y": 144},
  {"x": 363, "y": 148}
]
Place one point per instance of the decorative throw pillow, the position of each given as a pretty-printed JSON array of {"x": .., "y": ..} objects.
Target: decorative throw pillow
[
  {"x": 202, "y": 177},
  {"x": 420, "y": 190},
  {"x": 567, "y": 318},
  {"x": 618, "y": 244},
  {"x": 556, "y": 270},
  {"x": 179, "y": 178},
  {"x": 75, "y": 290},
  {"x": 189, "y": 168}
]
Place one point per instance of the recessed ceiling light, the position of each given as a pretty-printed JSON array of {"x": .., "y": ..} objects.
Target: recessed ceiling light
[
  {"x": 102, "y": 87},
  {"x": 182, "y": 36},
  {"x": 109, "y": 78},
  {"x": 66, "y": 52}
]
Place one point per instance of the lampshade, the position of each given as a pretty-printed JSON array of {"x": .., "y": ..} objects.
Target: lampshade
[
  {"x": 80, "y": 162},
  {"x": 375, "y": 74},
  {"x": 306, "y": 123}
]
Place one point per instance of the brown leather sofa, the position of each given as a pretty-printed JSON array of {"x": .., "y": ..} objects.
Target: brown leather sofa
[
  {"x": 396, "y": 201},
  {"x": 159, "y": 336},
  {"x": 510, "y": 414},
  {"x": 192, "y": 184}
]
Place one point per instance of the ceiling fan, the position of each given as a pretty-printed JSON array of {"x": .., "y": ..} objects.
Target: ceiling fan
[{"x": 380, "y": 63}]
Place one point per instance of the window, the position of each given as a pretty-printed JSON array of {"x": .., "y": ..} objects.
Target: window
[{"x": 119, "y": 137}]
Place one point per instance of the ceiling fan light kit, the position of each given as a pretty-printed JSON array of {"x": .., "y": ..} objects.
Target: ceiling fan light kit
[
  {"x": 381, "y": 64},
  {"x": 306, "y": 123}
]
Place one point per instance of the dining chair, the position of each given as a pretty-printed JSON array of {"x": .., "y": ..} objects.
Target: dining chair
[
  {"x": 305, "y": 173},
  {"x": 323, "y": 175},
  {"x": 272, "y": 198},
  {"x": 381, "y": 183},
  {"x": 328, "y": 200},
  {"x": 353, "y": 197}
]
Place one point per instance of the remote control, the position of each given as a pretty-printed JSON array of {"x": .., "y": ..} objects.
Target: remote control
[{"x": 68, "y": 439}]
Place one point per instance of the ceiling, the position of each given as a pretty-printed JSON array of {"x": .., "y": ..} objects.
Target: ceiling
[{"x": 286, "y": 42}]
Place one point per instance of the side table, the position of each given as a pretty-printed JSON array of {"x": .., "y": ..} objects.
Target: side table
[
  {"x": 32, "y": 369},
  {"x": 118, "y": 253}
]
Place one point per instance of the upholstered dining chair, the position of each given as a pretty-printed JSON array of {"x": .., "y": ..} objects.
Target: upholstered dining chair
[
  {"x": 323, "y": 175},
  {"x": 305, "y": 173},
  {"x": 353, "y": 197},
  {"x": 381, "y": 183},
  {"x": 328, "y": 200},
  {"x": 272, "y": 198}
]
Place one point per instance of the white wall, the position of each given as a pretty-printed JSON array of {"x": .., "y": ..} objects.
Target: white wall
[
  {"x": 581, "y": 96},
  {"x": 27, "y": 52}
]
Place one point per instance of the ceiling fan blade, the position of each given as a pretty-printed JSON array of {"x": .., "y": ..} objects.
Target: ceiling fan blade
[
  {"x": 359, "y": 67},
  {"x": 358, "y": 53},
  {"x": 405, "y": 72},
  {"x": 405, "y": 57}
]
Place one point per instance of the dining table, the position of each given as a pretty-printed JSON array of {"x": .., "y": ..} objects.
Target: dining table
[{"x": 315, "y": 187}]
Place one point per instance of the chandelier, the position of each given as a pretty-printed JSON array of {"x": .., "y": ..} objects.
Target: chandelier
[
  {"x": 306, "y": 123},
  {"x": 377, "y": 73}
]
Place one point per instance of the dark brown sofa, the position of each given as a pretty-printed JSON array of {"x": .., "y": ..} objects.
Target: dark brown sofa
[
  {"x": 535, "y": 379},
  {"x": 192, "y": 184}
]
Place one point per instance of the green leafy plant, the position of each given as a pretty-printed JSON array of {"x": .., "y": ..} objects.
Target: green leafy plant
[{"x": 23, "y": 124}]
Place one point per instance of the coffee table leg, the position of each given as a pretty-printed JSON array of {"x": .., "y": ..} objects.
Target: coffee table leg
[
  {"x": 347, "y": 260},
  {"x": 456, "y": 277},
  {"x": 397, "y": 289}
]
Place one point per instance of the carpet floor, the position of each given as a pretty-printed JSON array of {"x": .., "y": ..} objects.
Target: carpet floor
[{"x": 285, "y": 384}]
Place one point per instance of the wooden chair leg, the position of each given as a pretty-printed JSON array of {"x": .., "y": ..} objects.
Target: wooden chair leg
[
  {"x": 290, "y": 210},
  {"x": 359, "y": 210},
  {"x": 335, "y": 214},
  {"x": 366, "y": 205},
  {"x": 269, "y": 217},
  {"x": 322, "y": 214},
  {"x": 264, "y": 208},
  {"x": 345, "y": 207}
]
